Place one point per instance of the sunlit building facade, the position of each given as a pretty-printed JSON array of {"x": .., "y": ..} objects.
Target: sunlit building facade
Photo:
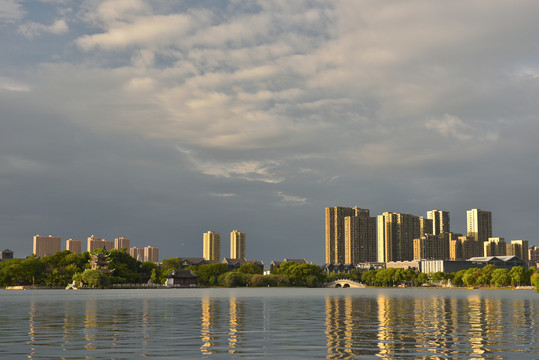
[
  {"x": 97, "y": 243},
  {"x": 137, "y": 253},
  {"x": 518, "y": 248},
  {"x": 151, "y": 254},
  {"x": 75, "y": 246},
  {"x": 237, "y": 244},
  {"x": 122, "y": 242},
  {"x": 359, "y": 238},
  {"x": 46, "y": 245},
  {"x": 431, "y": 247},
  {"x": 440, "y": 221},
  {"x": 396, "y": 234},
  {"x": 479, "y": 224},
  {"x": 212, "y": 246},
  {"x": 495, "y": 247}
]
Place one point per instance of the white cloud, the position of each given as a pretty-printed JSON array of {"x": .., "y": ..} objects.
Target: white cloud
[
  {"x": 146, "y": 31},
  {"x": 13, "y": 85},
  {"x": 11, "y": 11},
  {"x": 451, "y": 126},
  {"x": 31, "y": 29},
  {"x": 292, "y": 199},
  {"x": 224, "y": 195}
]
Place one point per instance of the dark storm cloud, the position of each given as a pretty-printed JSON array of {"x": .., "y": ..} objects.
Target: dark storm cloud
[{"x": 159, "y": 122}]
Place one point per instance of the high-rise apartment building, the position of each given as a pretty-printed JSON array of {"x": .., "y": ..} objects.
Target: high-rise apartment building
[
  {"x": 518, "y": 248},
  {"x": 137, "y": 253},
  {"x": 425, "y": 226},
  {"x": 360, "y": 238},
  {"x": 151, "y": 254},
  {"x": 237, "y": 245},
  {"x": 122, "y": 242},
  {"x": 533, "y": 254},
  {"x": 465, "y": 247},
  {"x": 46, "y": 245},
  {"x": 440, "y": 221},
  {"x": 431, "y": 247},
  {"x": 212, "y": 246},
  {"x": 75, "y": 246},
  {"x": 495, "y": 247},
  {"x": 335, "y": 231},
  {"x": 97, "y": 243},
  {"x": 396, "y": 234},
  {"x": 479, "y": 224}
]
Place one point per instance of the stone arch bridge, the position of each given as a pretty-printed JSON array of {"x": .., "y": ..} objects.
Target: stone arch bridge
[{"x": 344, "y": 283}]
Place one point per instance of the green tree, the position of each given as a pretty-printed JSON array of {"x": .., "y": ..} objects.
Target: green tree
[
  {"x": 368, "y": 277},
  {"x": 517, "y": 275},
  {"x": 170, "y": 264},
  {"x": 457, "y": 278},
  {"x": 421, "y": 279},
  {"x": 250, "y": 268},
  {"x": 95, "y": 278},
  {"x": 500, "y": 277},
  {"x": 146, "y": 269},
  {"x": 126, "y": 268},
  {"x": 303, "y": 274},
  {"x": 234, "y": 279},
  {"x": 209, "y": 273}
]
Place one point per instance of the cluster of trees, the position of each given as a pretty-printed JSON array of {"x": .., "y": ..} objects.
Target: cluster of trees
[
  {"x": 248, "y": 274},
  {"x": 63, "y": 267},
  {"x": 488, "y": 276}
]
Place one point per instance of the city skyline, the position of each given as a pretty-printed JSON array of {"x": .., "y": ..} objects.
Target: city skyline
[
  {"x": 158, "y": 120},
  {"x": 352, "y": 236}
]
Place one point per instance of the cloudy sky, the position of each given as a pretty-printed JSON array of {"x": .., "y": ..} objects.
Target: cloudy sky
[{"x": 160, "y": 120}]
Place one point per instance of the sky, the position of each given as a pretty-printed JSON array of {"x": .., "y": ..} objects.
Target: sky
[{"x": 159, "y": 120}]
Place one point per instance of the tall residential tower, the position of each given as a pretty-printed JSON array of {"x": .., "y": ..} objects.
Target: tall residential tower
[
  {"x": 212, "y": 246},
  {"x": 440, "y": 221},
  {"x": 479, "y": 224},
  {"x": 348, "y": 240},
  {"x": 237, "y": 245},
  {"x": 396, "y": 234}
]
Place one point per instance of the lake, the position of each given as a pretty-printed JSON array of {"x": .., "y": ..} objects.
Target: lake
[{"x": 277, "y": 323}]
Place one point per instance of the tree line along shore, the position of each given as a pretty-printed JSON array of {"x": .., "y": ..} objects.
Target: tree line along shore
[{"x": 64, "y": 267}]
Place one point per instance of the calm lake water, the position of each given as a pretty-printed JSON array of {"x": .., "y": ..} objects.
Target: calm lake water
[{"x": 269, "y": 323}]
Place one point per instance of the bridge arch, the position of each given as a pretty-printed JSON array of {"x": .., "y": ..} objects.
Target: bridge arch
[{"x": 344, "y": 283}]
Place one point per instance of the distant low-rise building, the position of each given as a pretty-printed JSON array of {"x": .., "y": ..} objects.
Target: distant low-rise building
[
  {"x": 446, "y": 266},
  {"x": 181, "y": 278},
  {"x": 414, "y": 265},
  {"x": 338, "y": 268},
  {"x": 234, "y": 264},
  {"x": 502, "y": 262},
  {"x": 184, "y": 262},
  {"x": 6, "y": 255}
]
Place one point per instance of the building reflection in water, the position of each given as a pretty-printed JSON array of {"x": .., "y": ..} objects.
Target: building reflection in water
[
  {"x": 439, "y": 327},
  {"x": 213, "y": 339},
  {"x": 348, "y": 327},
  {"x": 210, "y": 313},
  {"x": 90, "y": 324},
  {"x": 32, "y": 329},
  {"x": 233, "y": 325}
]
